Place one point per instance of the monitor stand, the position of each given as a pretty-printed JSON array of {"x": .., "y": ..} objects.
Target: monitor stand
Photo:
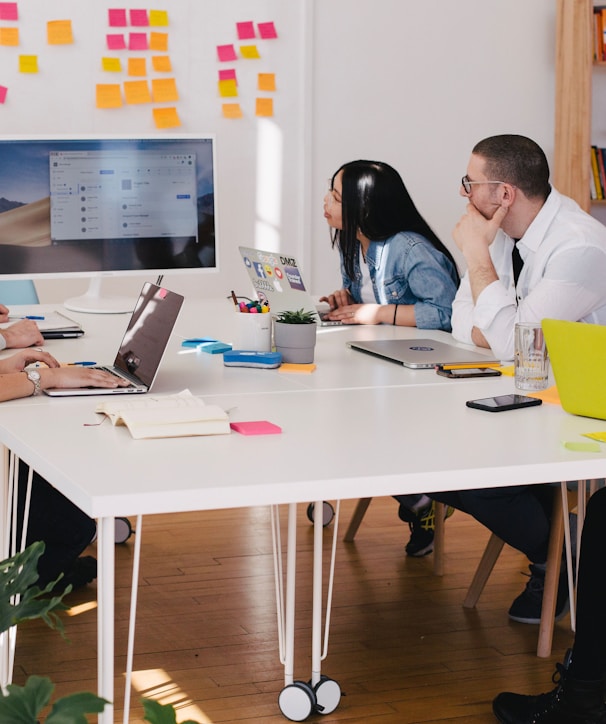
[{"x": 92, "y": 302}]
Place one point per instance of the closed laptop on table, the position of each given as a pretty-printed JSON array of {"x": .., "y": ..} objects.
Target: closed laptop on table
[{"x": 577, "y": 352}]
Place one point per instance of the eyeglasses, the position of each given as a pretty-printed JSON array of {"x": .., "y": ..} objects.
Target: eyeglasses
[{"x": 467, "y": 184}]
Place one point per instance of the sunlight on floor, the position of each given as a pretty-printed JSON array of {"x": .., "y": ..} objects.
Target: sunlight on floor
[
  {"x": 157, "y": 684},
  {"x": 82, "y": 608}
]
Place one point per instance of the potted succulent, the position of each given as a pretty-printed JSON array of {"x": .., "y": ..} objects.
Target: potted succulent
[
  {"x": 295, "y": 336},
  {"x": 21, "y": 600}
]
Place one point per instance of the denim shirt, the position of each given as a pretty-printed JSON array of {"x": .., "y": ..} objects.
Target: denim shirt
[{"x": 408, "y": 269}]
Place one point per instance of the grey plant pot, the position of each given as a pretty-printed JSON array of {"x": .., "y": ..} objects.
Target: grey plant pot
[{"x": 295, "y": 342}]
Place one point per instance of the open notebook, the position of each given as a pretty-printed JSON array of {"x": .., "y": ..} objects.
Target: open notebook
[{"x": 142, "y": 347}]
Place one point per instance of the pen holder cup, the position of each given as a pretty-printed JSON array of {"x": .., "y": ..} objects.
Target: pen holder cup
[{"x": 253, "y": 332}]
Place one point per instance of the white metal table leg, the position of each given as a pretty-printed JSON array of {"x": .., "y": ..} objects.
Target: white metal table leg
[
  {"x": 134, "y": 590},
  {"x": 105, "y": 615}
]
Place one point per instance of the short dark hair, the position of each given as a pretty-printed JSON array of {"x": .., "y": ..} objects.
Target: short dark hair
[{"x": 517, "y": 160}]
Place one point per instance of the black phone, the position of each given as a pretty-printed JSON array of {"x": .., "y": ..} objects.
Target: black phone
[
  {"x": 503, "y": 402},
  {"x": 466, "y": 372}
]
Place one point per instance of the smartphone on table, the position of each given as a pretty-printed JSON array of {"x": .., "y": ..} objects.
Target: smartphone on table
[
  {"x": 500, "y": 403},
  {"x": 455, "y": 373}
]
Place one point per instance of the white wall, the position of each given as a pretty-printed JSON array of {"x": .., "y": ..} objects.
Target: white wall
[{"x": 409, "y": 82}]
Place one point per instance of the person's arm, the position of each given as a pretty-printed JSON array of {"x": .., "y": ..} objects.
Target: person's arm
[{"x": 24, "y": 333}]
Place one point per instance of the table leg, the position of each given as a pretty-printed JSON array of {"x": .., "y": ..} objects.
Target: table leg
[{"x": 105, "y": 615}]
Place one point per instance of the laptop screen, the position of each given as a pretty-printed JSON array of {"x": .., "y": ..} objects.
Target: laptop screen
[{"x": 148, "y": 333}]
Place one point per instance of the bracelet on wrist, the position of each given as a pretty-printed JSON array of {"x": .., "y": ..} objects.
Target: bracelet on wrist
[{"x": 395, "y": 311}]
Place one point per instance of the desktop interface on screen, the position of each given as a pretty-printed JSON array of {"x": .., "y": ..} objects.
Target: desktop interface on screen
[{"x": 95, "y": 205}]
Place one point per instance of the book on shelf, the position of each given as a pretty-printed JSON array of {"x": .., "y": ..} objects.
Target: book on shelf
[
  {"x": 180, "y": 415},
  {"x": 597, "y": 174},
  {"x": 599, "y": 24}
]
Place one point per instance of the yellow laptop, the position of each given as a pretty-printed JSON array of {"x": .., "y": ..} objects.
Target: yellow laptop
[{"x": 577, "y": 352}]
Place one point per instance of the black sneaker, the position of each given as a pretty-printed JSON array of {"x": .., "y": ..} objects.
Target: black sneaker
[
  {"x": 82, "y": 571},
  {"x": 526, "y": 608},
  {"x": 571, "y": 702},
  {"x": 422, "y": 526}
]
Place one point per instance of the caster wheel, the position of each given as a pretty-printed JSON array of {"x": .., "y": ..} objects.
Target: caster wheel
[
  {"x": 123, "y": 530},
  {"x": 328, "y": 513},
  {"x": 328, "y": 695},
  {"x": 297, "y": 701}
]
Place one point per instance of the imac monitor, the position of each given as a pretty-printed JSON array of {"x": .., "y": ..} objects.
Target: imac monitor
[{"x": 106, "y": 205}]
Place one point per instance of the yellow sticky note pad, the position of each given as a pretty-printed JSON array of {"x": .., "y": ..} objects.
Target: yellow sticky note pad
[
  {"x": 162, "y": 64},
  {"x": 59, "y": 32},
  {"x": 158, "y": 18},
  {"x": 266, "y": 82},
  {"x": 599, "y": 436},
  {"x": 582, "y": 446},
  {"x": 232, "y": 110},
  {"x": 136, "y": 91},
  {"x": 265, "y": 107},
  {"x": 508, "y": 371},
  {"x": 228, "y": 88},
  {"x": 164, "y": 90},
  {"x": 249, "y": 51},
  {"x": 137, "y": 66},
  {"x": 108, "y": 95},
  {"x": 111, "y": 65},
  {"x": 9, "y": 36},
  {"x": 291, "y": 367},
  {"x": 28, "y": 63},
  {"x": 166, "y": 118}
]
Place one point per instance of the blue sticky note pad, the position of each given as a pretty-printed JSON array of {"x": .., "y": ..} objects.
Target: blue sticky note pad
[
  {"x": 197, "y": 341},
  {"x": 214, "y": 347}
]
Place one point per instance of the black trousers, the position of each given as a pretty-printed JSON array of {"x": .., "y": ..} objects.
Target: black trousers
[
  {"x": 520, "y": 514},
  {"x": 64, "y": 528}
]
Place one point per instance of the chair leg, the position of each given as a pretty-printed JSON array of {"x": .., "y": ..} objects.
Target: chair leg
[
  {"x": 489, "y": 558},
  {"x": 552, "y": 577},
  {"x": 438, "y": 539},
  {"x": 356, "y": 519}
]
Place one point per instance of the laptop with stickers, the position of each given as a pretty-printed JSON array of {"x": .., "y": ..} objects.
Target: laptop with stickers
[
  {"x": 142, "y": 347},
  {"x": 277, "y": 279}
]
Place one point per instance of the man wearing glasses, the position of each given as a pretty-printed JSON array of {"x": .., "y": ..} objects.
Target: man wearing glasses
[{"x": 531, "y": 253}]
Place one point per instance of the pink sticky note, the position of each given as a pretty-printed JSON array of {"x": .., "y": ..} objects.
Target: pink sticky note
[
  {"x": 227, "y": 74},
  {"x": 9, "y": 11},
  {"x": 138, "y": 18},
  {"x": 267, "y": 30},
  {"x": 137, "y": 41},
  {"x": 245, "y": 30},
  {"x": 226, "y": 53},
  {"x": 116, "y": 41},
  {"x": 3, "y": 92},
  {"x": 116, "y": 17},
  {"x": 256, "y": 427}
]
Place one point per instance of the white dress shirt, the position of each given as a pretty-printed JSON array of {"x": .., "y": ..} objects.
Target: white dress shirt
[{"x": 564, "y": 277}]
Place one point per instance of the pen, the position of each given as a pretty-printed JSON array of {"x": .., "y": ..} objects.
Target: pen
[
  {"x": 468, "y": 365},
  {"x": 82, "y": 364},
  {"x": 234, "y": 297},
  {"x": 29, "y": 316}
]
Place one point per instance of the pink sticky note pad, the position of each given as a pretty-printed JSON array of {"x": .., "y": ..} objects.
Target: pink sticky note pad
[
  {"x": 256, "y": 427},
  {"x": 267, "y": 31}
]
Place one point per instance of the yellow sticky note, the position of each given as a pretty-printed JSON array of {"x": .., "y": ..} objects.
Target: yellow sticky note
[
  {"x": 111, "y": 65},
  {"x": 59, "y": 32},
  {"x": 508, "y": 371},
  {"x": 550, "y": 395},
  {"x": 108, "y": 95},
  {"x": 599, "y": 436},
  {"x": 164, "y": 90},
  {"x": 228, "y": 88},
  {"x": 28, "y": 63},
  {"x": 137, "y": 66},
  {"x": 266, "y": 82},
  {"x": 582, "y": 446},
  {"x": 136, "y": 91},
  {"x": 265, "y": 107},
  {"x": 291, "y": 367},
  {"x": 166, "y": 118},
  {"x": 232, "y": 110},
  {"x": 249, "y": 51},
  {"x": 162, "y": 64},
  {"x": 158, "y": 41},
  {"x": 9, "y": 36},
  {"x": 158, "y": 18}
]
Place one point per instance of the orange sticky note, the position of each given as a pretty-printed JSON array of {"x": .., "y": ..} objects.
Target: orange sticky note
[
  {"x": 28, "y": 63},
  {"x": 137, "y": 66},
  {"x": 158, "y": 41},
  {"x": 232, "y": 110},
  {"x": 166, "y": 117},
  {"x": 9, "y": 36},
  {"x": 164, "y": 90},
  {"x": 228, "y": 88},
  {"x": 108, "y": 95},
  {"x": 162, "y": 64},
  {"x": 265, "y": 107},
  {"x": 158, "y": 18},
  {"x": 297, "y": 368},
  {"x": 136, "y": 91},
  {"x": 249, "y": 51},
  {"x": 266, "y": 82},
  {"x": 59, "y": 32},
  {"x": 111, "y": 65}
]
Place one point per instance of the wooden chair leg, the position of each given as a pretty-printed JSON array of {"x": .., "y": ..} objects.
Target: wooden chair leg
[
  {"x": 483, "y": 571},
  {"x": 438, "y": 539},
  {"x": 356, "y": 519},
  {"x": 552, "y": 577}
]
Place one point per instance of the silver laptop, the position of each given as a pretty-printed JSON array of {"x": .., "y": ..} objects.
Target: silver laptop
[
  {"x": 142, "y": 347},
  {"x": 421, "y": 353},
  {"x": 277, "y": 279}
]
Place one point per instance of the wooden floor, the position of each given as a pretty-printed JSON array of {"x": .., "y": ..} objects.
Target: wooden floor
[{"x": 401, "y": 646}]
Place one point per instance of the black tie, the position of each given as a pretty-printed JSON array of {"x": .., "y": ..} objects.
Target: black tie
[{"x": 517, "y": 262}]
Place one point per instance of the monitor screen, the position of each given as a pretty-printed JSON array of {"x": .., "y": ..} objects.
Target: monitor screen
[{"x": 89, "y": 206}]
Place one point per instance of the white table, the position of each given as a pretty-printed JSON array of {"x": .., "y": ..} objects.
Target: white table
[{"x": 358, "y": 426}]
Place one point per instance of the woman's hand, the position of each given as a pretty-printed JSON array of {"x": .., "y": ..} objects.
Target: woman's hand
[
  {"x": 358, "y": 314},
  {"x": 340, "y": 298},
  {"x": 18, "y": 361},
  {"x": 77, "y": 376}
]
